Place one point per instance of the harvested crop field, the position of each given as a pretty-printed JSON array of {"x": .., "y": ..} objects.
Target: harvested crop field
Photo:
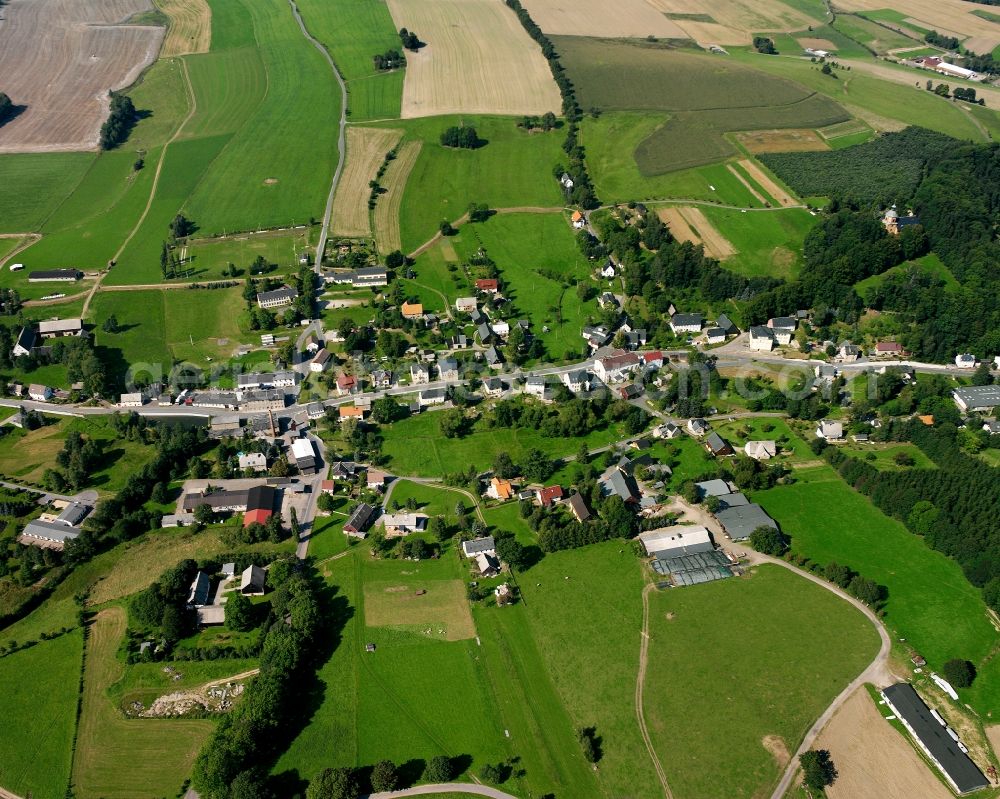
[
  {"x": 781, "y": 141},
  {"x": 440, "y": 611},
  {"x": 387, "y": 210},
  {"x": 816, "y": 44},
  {"x": 477, "y": 59},
  {"x": 190, "y": 29},
  {"x": 690, "y": 224},
  {"x": 627, "y": 19},
  {"x": 366, "y": 150},
  {"x": 944, "y": 16},
  {"x": 59, "y": 60},
  {"x": 874, "y": 760},
  {"x": 767, "y": 183},
  {"x": 733, "y": 21}
]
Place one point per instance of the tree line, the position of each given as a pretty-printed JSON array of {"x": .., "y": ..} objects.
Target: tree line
[{"x": 120, "y": 121}]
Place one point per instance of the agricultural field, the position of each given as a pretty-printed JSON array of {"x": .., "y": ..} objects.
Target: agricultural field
[
  {"x": 735, "y": 22},
  {"x": 688, "y": 223},
  {"x": 416, "y": 447},
  {"x": 930, "y": 602},
  {"x": 781, "y": 141},
  {"x": 513, "y": 169},
  {"x": 163, "y": 327},
  {"x": 190, "y": 28},
  {"x": 160, "y": 751},
  {"x": 632, "y": 19},
  {"x": 872, "y": 35},
  {"x": 705, "y": 96},
  {"x": 477, "y": 59},
  {"x": 387, "y": 214},
  {"x": 736, "y": 706},
  {"x": 42, "y": 46},
  {"x": 950, "y": 17},
  {"x": 34, "y": 185},
  {"x": 366, "y": 152},
  {"x": 40, "y": 689}
]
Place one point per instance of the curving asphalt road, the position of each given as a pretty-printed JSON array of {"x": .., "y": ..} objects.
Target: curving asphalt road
[
  {"x": 341, "y": 139},
  {"x": 445, "y": 787}
]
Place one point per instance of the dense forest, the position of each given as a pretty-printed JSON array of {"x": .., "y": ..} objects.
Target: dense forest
[
  {"x": 961, "y": 520},
  {"x": 880, "y": 172}
]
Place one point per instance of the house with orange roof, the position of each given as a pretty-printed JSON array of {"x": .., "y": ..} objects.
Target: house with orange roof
[
  {"x": 412, "y": 310},
  {"x": 579, "y": 220},
  {"x": 500, "y": 489},
  {"x": 351, "y": 412}
]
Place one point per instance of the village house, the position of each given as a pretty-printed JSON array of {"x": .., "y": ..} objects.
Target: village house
[
  {"x": 666, "y": 430},
  {"x": 381, "y": 378},
  {"x": 376, "y": 479},
  {"x": 281, "y": 379},
  {"x": 578, "y": 507},
  {"x": 411, "y": 310},
  {"x": 277, "y": 298},
  {"x": 635, "y": 339},
  {"x": 831, "y": 431},
  {"x": 761, "y": 339},
  {"x": 576, "y": 381},
  {"x": 566, "y": 181},
  {"x": 465, "y": 304},
  {"x": 39, "y": 393},
  {"x": 448, "y": 369},
  {"x": 652, "y": 360},
  {"x": 420, "y": 374},
  {"x": 304, "y": 455},
  {"x": 725, "y": 324},
  {"x": 686, "y": 323},
  {"x": 782, "y": 329},
  {"x": 500, "y": 489},
  {"x": 848, "y": 351},
  {"x": 321, "y": 361},
  {"x": 254, "y": 461},
  {"x": 493, "y": 386},
  {"x": 609, "y": 270},
  {"x": 549, "y": 495},
  {"x": 596, "y": 336},
  {"x": 398, "y": 525},
  {"x": 27, "y": 340},
  {"x": 760, "y": 450},
  {"x": 493, "y": 357},
  {"x": 360, "y": 520},
  {"x": 965, "y": 360},
  {"x": 346, "y": 384},
  {"x": 894, "y": 223},
  {"x": 433, "y": 396},
  {"x": 715, "y": 335},
  {"x": 350, "y": 412},
  {"x": 535, "y": 387},
  {"x": 479, "y": 546},
  {"x": 697, "y": 427},
  {"x": 717, "y": 445},
  {"x": 488, "y": 285},
  {"x": 252, "y": 581},
  {"x": 620, "y": 483},
  {"x": 888, "y": 349},
  {"x": 615, "y": 368},
  {"x": 579, "y": 220},
  {"x": 134, "y": 400}
]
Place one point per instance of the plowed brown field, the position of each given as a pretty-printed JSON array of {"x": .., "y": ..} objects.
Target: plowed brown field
[{"x": 59, "y": 58}]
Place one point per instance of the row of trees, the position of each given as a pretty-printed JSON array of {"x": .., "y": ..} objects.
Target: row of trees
[{"x": 120, "y": 121}]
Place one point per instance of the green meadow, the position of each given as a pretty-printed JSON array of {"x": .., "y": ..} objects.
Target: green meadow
[
  {"x": 40, "y": 688},
  {"x": 930, "y": 601},
  {"x": 513, "y": 169},
  {"x": 930, "y": 264},
  {"x": 767, "y": 243},
  {"x": 354, "y": 31},
  {"x": 34, "y": 185},
  {"x": 739, "y": 704}
]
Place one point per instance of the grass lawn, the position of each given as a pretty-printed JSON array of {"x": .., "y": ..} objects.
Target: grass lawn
[
  {"x": 885, "y": 454},
  {"x": 327, "y": 537},
  {"x": 145, "y": 682},
  {"x": 930, "y": 603},
  {"x": 416, "y": 447},
  {"x": 40, "y": 687},
  {"x": 432, "y": 500},
  {"x": 354, "y": 31},
  {"x": 990, "y": 456},
  {"x": 160, "y": 752},
  {"x": 25, "y": 455},
  {"x": 34, "y": 185},
  {"x": 768, "y": 243},
  {"x": 411, "y": 699},
  {"x": 525, "y": 247},
  {"x": 791, "y": 448},
  {"x": 161, "y": 327},
  {"x": 514, "y": 169},
  {"x": 209, "y": 258},
  {"x": 736, "y": 705}
]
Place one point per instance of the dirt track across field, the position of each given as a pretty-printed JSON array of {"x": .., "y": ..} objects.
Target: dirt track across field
[{"x": 59, "y": 60}]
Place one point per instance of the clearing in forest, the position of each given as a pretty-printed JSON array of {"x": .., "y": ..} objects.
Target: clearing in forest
[
  {"x": 476, "y": 59},
  {"x": 58, "y": 62},
  {"x": 190, "y": 29},
  {"x": 366, "y": 151}
]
